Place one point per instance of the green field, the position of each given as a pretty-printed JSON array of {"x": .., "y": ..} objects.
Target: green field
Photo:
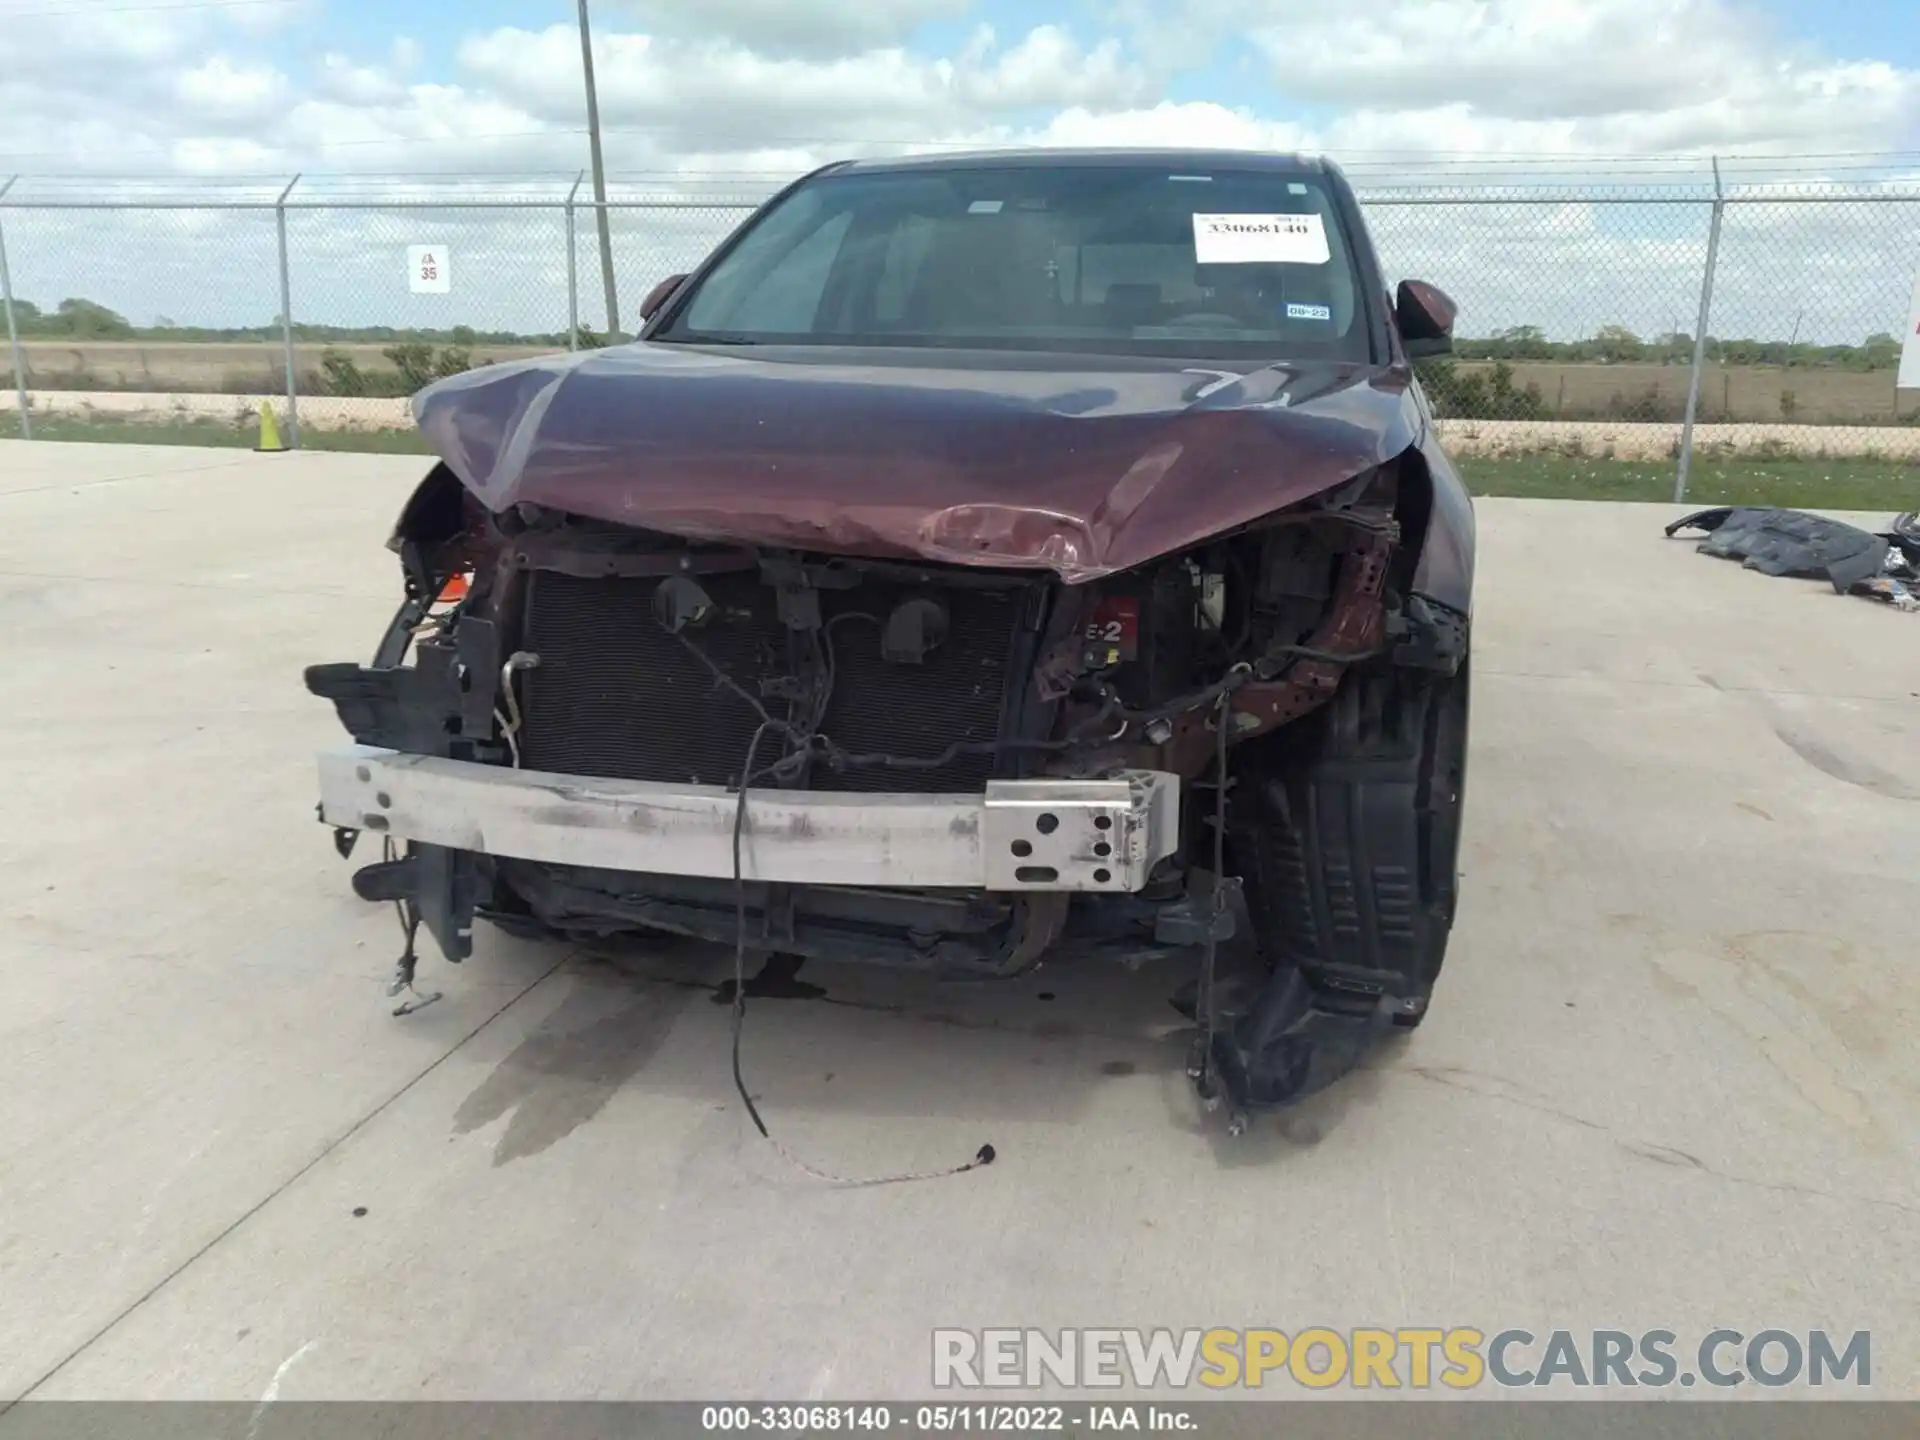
[
  {"x": 1537, "y": 388},
  {"x": 1851, "y": 483},
  {"x": 1854, "y": 483}
]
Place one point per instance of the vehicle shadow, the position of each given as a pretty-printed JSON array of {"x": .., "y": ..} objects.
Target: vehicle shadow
[{"x": 838, "y": 1040}]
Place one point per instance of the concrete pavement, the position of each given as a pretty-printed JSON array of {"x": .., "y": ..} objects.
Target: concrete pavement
[{"x": 1670, "y": 1081}]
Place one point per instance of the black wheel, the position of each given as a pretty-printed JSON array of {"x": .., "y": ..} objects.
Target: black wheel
[{"x": 1346, "y": 836}]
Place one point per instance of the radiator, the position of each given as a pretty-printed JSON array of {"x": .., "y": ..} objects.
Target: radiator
[{"x": 615, "y": 695}]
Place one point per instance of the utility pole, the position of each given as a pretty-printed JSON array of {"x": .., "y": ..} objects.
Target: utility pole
[
  {"x": 599, "y": 178},
  {"x": 1700, "y": 327}
]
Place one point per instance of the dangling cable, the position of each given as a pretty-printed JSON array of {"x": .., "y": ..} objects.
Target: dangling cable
[
  {"x": 402, "y": 981},
  {"x": 1223, "y": 714},
  {"x": 984, "y": 1156},
  {"x": 512, "y": 721}
]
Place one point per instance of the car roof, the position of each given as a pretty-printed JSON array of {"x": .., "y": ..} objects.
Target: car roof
[{"x": 1276, "y": 162}]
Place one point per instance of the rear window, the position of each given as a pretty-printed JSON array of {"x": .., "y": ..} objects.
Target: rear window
[{"x": 1120, "y": 259}]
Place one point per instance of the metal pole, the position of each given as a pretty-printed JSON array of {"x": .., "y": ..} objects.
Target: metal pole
[
  {"x": 599, "y": 179},
  {"x": 13, "y": 334},
  {"x": 1700, "y": 339},
  {"x": 573, "y": 270},
  {"x": 286, "y": 315}
]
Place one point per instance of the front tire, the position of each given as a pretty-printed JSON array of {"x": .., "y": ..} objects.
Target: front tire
[{"x": 1347, "y": 837}]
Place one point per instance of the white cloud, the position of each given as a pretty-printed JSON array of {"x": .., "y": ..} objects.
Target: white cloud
[
  {"x": 338, "y": 78},
  {"x": 1048, "y": 68},
  {"x": 221, "y": 92},
  {"x": 1626, "y": 76},
  {"x": 216, "y": 156},
  {"x": 759, "y": 83},
  {"x": 1197, "y": 125},
  {"x": 80, "y": 34},
  {"x": 717, "y": 94},
  {"x": 774, "y": 87},
  {"x": 823, "y": 28},
  {"x": 1520, "y": 58}
]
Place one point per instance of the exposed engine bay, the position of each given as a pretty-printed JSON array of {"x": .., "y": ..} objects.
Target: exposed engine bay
[
  {"x": 550, "y": 643},
  {"x": 976, "y": 564}
]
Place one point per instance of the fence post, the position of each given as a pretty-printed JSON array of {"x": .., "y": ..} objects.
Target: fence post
[
  {"x": 13, "y": 334},
  {"x": 1700, "y": 339},
  {"x": 286, "y": 315},
  {"x": 573, "y": 271}
]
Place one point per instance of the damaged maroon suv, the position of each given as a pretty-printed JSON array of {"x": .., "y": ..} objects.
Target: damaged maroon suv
[{"x": 977, "y": 563}]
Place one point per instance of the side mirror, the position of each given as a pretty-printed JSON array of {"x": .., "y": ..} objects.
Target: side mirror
[
  {"x": 1425, "y": 314},
  {"x": 657, "y": 296}
]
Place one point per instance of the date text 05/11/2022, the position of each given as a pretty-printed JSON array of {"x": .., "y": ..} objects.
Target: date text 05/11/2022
[{"x": 980, "y": 1419}]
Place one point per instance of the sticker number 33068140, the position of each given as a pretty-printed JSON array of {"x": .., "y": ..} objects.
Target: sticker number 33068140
[{"x": 1260, "y": 239}]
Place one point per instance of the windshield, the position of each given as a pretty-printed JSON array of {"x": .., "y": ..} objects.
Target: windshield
[{"x": 1125, "y": 260}]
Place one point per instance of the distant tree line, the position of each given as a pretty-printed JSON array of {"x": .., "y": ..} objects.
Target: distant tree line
[
  {"x": 77, "y": 319},
  {"x": 1488, "y": 394},
  {"x": 1617, "y": 345}
]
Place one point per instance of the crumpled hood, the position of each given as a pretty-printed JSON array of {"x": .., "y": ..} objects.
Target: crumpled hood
[{"x": 1084, "y": 466}]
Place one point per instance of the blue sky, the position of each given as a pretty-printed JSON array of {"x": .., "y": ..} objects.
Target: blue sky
[
  {"x": 1228, "y": 70},
  {"x": 1879, "y": 29},
  {"x": 726, "y": 97},
  {"x": 1884, "y": 29},
  {"x": 222, "y": 87}
]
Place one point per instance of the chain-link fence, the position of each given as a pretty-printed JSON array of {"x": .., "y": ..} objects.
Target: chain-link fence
[
  {"x": 201, "y": 308},
  {"x": 1582, "y": 307},
  {"x": 1756, "y": 320}
]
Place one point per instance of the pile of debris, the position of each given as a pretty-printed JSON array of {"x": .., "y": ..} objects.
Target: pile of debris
[{"x": 1882, "y": 565}]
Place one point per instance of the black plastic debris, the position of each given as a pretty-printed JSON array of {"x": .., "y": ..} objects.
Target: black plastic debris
[
  {"x": 1883, "y": 566},
  {"x": 1790, "y": 542}
]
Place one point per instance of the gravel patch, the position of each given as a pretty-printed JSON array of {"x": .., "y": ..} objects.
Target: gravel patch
[{"x": 320, "y": 412}]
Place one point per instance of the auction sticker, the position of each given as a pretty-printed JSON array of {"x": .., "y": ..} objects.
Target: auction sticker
[{"x": 1260, "y": 239}]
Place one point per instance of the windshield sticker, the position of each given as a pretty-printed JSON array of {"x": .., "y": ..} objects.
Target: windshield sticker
[
  {"x": 985, "y": 207},
  {"x": 1260, "y": 239},
  {"x": 1309, "y": 312}
]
